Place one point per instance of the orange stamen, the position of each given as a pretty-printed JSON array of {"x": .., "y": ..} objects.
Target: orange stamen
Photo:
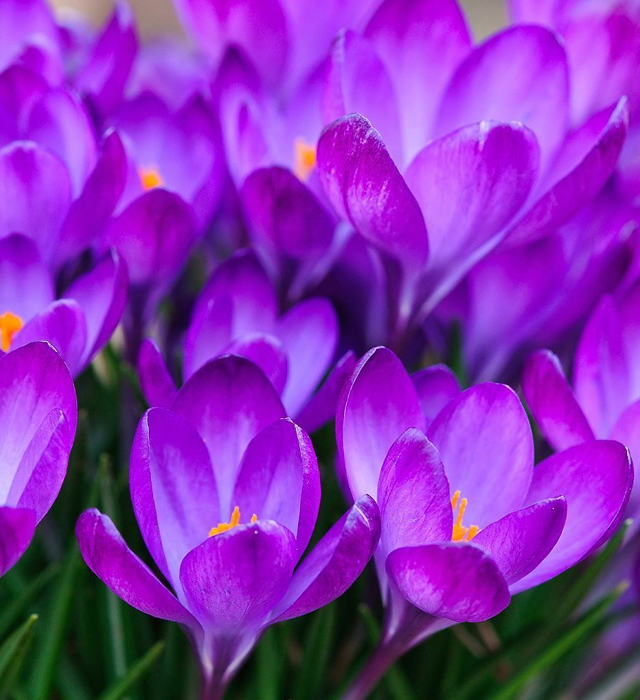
[
  {"x": 150, "y": 178},
  {"x": 235, "y": 520},
  {"x": 461, "y": 533},
  {"x": 10, "y": 324},
  {"x": 304, "y": 160}
]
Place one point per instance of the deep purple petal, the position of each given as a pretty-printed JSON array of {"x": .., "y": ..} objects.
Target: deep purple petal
[
  {"x": 365, "y": 187},
  {"x": 173, "y": 489},
  {"x": 279, "y": 480},
  {"x": 17, "y": 527},
  {"x": 267, "y": 353},
  {"x": 518, "y": 75},
  {"x": 158, "y": 387},
  {"x": 484, "y": 439},
  {"x": 334, "y": 563},
  {"x": 108, "y": 556},
  {"x": 209, "y": 333},
  {"x": 309, "y": 336},
  {"x": 521, "y": 540},
  {"x": 285, "y": 216},
  {"x": 421, "y": 42},
  {"x": 595, "y": 478},
  {"x": 234, "y": 579},
  {"x": 553, "y": 403},
  {"x": 377, "y": 405},
  {"x": 229, "y": 401},
  {"x": 25, "y": 283},
  {"x": 627, "y": 431},
  {"x": 64, "y": 325},
  {"x": 454, "y": 581},
  {"x": 414, "y": 494},
  {"x": 436, "y": 386}
]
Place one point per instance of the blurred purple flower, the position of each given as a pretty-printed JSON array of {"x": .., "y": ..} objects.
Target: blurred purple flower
[
  {"x": 38, "y": 416},
  {"x": 226, "y": 493},
  {"x": 466, "y": 521},
  {"x": 237, "y": 313}
]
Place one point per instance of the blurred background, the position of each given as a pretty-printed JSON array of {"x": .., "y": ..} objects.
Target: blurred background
[{"x": 157, "y": 16}]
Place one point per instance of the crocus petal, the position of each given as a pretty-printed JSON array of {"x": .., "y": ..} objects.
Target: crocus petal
[
  {"x": 457, "y": 582},
  {"x": 209, "y": 333},
  {"x": 285, "y": 216},
  {"x": 234, "y": 579},
  {"x": 321, "y": 408},
  {"x": 521, "y": 540},
  {"x": 627, "y": 431},
  {"x": 279, "y": 480},
  {"x": 334, "y": 563},
  {"x": 421, "y": 42},
  {"x": 43, "y": 466},
  {"x": 377, "y": 405},
  {"x": 309, "y": 336},
  {"x": 229, "y": 401},
  {"x": 108, "y": 556},
  {"x": 553, "y": 403},
  {"x": 25, "y": 283},
  {"x": 518, "y": 75},
  {"x": 357, "y": 82},
  {"x": 414, "y": 494},
  {"x": 26, "y": 405},
  {"x": 436, "y": 386},
  {"x": 102, "y": 294},
  {"x": 17, "y": 527},
  {"x": 601, "y": 369},
  {"x": 267, "y": 353},
  {"x": 484, "y": 439},
  {"x": 173, "y": 489},
  {"x": 158, "y": 387},
  {"x": 64, "y": 325},
  {"x": 581, "y": 168},
  {"x": 153, "y": 235},
  {"x": 469, "y": 184},
  {"x": 25, "y": 20},
  {"x": 595, "y": 478},
  {"x": 365, "y": 187},
  {"x": 89, "y": 213},
  {"x": 36, "y": 192}
]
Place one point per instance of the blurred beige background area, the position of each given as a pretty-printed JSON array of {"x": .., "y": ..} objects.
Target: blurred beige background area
[{"x": 157, "y": 16}]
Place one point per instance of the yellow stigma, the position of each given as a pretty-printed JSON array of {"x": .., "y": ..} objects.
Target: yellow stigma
[
  {"x": 235, "y": 520},
  {"x": 461, "y": 533},
  {"x": 150, "y": 178},
  {"x": 304, "y": 159},
  {"x": 10, "y": 324}
]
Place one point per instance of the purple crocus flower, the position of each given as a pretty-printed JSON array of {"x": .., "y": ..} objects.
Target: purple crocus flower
[
  {"x": 38, "y": 416},
  {"x": 466, "y": 521},
  {"x": 237, "y": 313},
  {"x": 226, "y": 491},
  {"x": 437, "y": 179},
  {"x": 78, "y": 323}
]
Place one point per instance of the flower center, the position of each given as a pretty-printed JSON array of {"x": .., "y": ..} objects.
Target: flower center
[
  {"x": 10, "y": 324},
  {"x": 235, "y": 520},
  {"x": 304, "y": 159},
  {"x": 461, "y": 533},
  {"x": 150, "y": 177}
]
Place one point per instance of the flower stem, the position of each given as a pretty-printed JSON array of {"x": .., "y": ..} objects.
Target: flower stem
[{"x": 374, "y": 669}]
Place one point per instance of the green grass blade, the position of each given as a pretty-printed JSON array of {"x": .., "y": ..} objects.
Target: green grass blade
[
  {"x": 119, "y": 689},
  {"x": 13, "y": 653}
]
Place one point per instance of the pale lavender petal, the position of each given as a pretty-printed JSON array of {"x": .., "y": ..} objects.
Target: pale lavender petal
[
  {"x": 267, "y": 353},
  {"x": 158, "y": 387},
  {"x": 436, "y": 386},
  {"x": 209, "y": 333}
]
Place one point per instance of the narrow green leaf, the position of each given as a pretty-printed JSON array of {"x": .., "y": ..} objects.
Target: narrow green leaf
[
  {"x": 268, "y": 659},
  {"x": 119, "y": 689},
  {"x": 317, "y": 646},
  {"x": 13, "y": 653},
  {"x": 16, "y": 607},
  {"x": 554, "y": 652}
]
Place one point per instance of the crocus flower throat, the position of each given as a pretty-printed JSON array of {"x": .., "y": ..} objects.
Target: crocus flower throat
[
  {"x": 304, "y": 158},
  {"x": 10, "y": 324},
  {"x": 150, "y": 177},
  {"x": 235, "y": 520},
  {"x": 461, "y": 533}
]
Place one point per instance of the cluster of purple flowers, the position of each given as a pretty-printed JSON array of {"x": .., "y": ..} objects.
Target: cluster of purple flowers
[{"x": 246, "y": 219}]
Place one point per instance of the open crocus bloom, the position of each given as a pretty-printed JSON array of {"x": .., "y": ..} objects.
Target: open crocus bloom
[
  {"x": 78, "y": 324},
  {"x": 38, "y": 416},
  {"x": 226, "y": 493},
  {"x": 237, "y": 313},
  {"x": 605, "y": 399},
  {"x": 466, "y": 521}
]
